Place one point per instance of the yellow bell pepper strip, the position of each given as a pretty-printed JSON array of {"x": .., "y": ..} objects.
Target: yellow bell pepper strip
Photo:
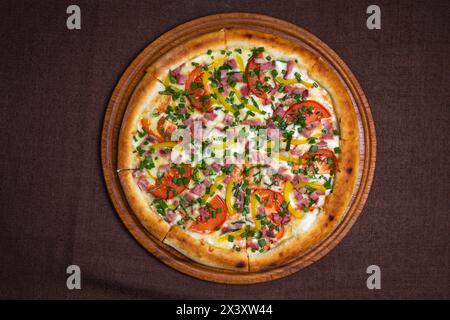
[
  {"x": 222, "y": 100},
  {"x": 293, "y": 81},
  {"x": 304, "y": 141},
  {"x": 253, "y": 204},
  {"x": 234, "y": 234},
  {"x": 228, "y": 195},
  {"x": 310, "y": 184},
  {"x": 240, "y": 63},
  {"x": 168, "y": 144},
  {"x": 214, "y": 187},
  {"x": 250, "y": 107},
  {"x": 289, "y": 158},
  {"x": 288, "y": 187}
]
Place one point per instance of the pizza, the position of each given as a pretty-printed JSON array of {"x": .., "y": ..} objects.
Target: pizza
[{"x": 239, "y": 149}]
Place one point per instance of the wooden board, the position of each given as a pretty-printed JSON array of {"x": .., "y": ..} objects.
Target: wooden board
[{"x": 132, "y": 76}]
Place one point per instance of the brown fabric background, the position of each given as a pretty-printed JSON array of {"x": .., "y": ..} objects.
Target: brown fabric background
[{"x": 55, "y": 211}]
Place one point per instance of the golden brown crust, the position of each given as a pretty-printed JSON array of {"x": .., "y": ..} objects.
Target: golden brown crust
[
  {"x": 145, "y": 96},
  {"x": 150, "y": 219},
  {"x": 187, "y": 51},
  {"x": 338, "y": 201},
  {"x": 274, "y": 45},
  {"x": 202, "y": 252},
  {"x": 290, "y": 248}
]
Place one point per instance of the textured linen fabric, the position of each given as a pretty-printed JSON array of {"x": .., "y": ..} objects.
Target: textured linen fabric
[{"x": 55, "y": 211}]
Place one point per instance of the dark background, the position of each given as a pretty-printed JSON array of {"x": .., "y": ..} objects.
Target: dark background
[{"x": 55, "y": 211}]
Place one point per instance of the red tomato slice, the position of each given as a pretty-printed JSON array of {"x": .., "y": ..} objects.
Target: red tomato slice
[
  {"x": 146, "y": 125},
  {"x": 271, "y": 200},
  {"x": 212, "y": 223},
  {"x": 317, "y": 113},
  {"x": 321, "y": 156},
  {"x": 166, "y": 128},
  {"x": 257, "y": 77},
  {"x": 168, "y": 189},
  {"x": 195, "y": 79}
]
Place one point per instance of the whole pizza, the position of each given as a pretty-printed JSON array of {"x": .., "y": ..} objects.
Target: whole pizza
[{"x": 239, "y": 149}]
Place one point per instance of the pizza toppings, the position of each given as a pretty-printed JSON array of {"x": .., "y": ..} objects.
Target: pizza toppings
[{"x": 251, "y": 203}]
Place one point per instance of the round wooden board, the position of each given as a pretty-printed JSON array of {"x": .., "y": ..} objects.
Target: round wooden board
[{"x": 132, "y": 76}]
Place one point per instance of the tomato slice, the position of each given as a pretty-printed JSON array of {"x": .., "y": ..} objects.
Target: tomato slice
[
  {"x": 166, "y": 128},
  {"x": 168, "y": 188},
  {"x": 213, "y": 221},
  {"x": 271, "y": 200},
  {"x": 311, "y": 110},
  {"x": 194, "y": 85},
  {"x": 324, "y": 159},
  {"x": 258, "y": 77},
  {"x": 146, "y": 125}
]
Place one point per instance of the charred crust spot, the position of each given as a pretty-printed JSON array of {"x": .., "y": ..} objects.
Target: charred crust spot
[
  {"x": 248, "y": 35},
  {"x": 240, "y": 264},
  {"x": 349, "y": 170},
  {"x": 330, "y": 217}
]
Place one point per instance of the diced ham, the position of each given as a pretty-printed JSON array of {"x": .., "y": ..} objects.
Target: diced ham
[
  {"x": 244, "y": 91},
  {"x": 211, "y": 116},
  {"x": 289, "y": 68},
  {"x": 279, "y": 111},
  {"x": 206, "y": 183},
  {"x": 237, "y": 77},
  {"x": 181, "y": 79},
  {"x": 177, "y": 70},
  {"x": 322, "y": 143},
  {"x": 328, "y": 125},
  {"x": 305, "y": 94},
  {"x": 276, "y": 218},
  {"x": 261, "y": 211},
  {"x": 143, "y": 183},
  {"x": 216, "y": 167},
  {"x": 227, "y": 179},
  {"x": 171, "y": 216},
  {"x": 328, "y": 136},
  {"x": 297, "y": 91},
  {"x": 189, "y": 197},
  {"x": 286, "y": 219},
  {"x": 316, "y": 194},
  {"x": 299, "y": 178},
  {"x": 306, "y": 133},
  {"x": 232, "y": 63},
  {"x": 198, "y": 190},
  {"x": 203, "y": 214},
  {"x": 223, "y": 74},
  {"x": 302, "y": 203},
  {"x": 228, "y": 119},
  {"x": 136, "y": 173},
  {"x": 270, "y": 124},
  {"x": 288, "y": 88},
  {"x": 251, "y": 122},
  {"x": 189, "y": 122},
  {"x": 267, "y": 65}
]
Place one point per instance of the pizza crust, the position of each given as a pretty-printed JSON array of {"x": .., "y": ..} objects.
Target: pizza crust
[
  {"x": 274, "y": 45},
  {"x": 144, "y": 99},
  {"x": 202, "y": 252},
  {"x": 150, "y": 219},
  {"x": 189, "y": 50}
]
